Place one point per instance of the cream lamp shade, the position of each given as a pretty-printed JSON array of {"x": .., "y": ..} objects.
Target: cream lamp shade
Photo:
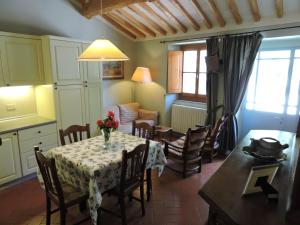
[
  {"x": 142, "y": 74},
  {"x": 102, "y": 50}
]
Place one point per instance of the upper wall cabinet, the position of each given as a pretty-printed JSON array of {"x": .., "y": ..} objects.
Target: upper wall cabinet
[
  {"x": 22, "y": 60},
  {"x": 61, "y": 59},
  {"x": 92, "y": 72}
]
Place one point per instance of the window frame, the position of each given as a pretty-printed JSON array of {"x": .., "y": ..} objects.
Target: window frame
[
  {"x": 188, "y": 96},
  {"x": 291, "y": 59}
]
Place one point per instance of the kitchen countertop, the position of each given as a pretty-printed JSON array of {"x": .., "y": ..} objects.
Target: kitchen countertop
[{"x": 23, "y": 123}]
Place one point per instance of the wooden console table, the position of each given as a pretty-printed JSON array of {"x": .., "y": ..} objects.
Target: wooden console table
[{"x": 223, "y": 191}]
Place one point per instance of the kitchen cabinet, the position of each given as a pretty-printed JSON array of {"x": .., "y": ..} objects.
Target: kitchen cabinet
[
  {"x": 77, "y": 84},
  {"x": 44, "y": 136},
  {"x": 21, "y": 60},
  {"x": 10, "y": 167},
  {"x": 70, "y": 105},
  {"x": 93, "y": 100},
  {"x": 92, "y": 70}
]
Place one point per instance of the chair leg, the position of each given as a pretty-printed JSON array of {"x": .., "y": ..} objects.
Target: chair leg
[
  {"x": 184, "y": 170},
  {"x": 130, "y": 197},
  {"x": 48, "y": 212},
  {"x": 82, "y": 206},
  {"x": 200, "y": 166},
  {"x": 142, "y": 199},
  {"x": 211, "y": 155},
  {"x": 123, "y": 209},
  {"x": 149, "y": 184},
  {"x": 62, "y": 215}
]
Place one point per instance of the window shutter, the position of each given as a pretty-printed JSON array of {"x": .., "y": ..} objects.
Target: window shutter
[{"x": 175, "y": 60}]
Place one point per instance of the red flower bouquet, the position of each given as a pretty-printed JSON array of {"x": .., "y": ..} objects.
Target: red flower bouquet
[{"x": 108, "y": 125}]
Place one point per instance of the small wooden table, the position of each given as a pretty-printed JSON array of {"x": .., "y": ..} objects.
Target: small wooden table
[{"x": 223, "y": 191}]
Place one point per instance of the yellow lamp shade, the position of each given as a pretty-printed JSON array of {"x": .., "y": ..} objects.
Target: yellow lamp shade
[
  {"x": 141, "y": 74},
  {"x": 102, "y": 50}
]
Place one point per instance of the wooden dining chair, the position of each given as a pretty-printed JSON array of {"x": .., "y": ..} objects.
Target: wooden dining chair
[
  {"x": 187, "y": 152},
  {"x": 143, "y": 130},
  {"x": 72, "y": 133},
  {"x": 62, "y": 194},
  {"x": 215, "y": 137},
  {"x": 132, "y": 177}
]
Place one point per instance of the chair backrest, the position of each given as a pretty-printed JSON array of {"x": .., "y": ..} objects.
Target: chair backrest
[
  {"x": 143, "y": 130},
  {"x": 219, "y": 131},
  {"x": 195, "y": 139},
  {"x": 72, "y": 133},
  {"x": 133, "y": 166},
  {"x": 49, "y": 173}
]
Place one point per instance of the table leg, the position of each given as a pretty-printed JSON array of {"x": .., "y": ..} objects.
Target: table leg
[{"x": 149, "y": 183}]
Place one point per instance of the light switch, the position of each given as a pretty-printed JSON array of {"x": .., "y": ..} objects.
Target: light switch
[{"x": 11, "y": 107}]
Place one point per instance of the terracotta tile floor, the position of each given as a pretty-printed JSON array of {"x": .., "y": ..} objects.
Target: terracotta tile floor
[{"x": 174, "y": 202}]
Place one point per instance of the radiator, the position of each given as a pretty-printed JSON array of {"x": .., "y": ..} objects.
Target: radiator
[{"x": 184, "y": 117}]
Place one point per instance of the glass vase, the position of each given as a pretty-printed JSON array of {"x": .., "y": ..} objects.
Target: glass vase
[{"x": 106, "y": 134}]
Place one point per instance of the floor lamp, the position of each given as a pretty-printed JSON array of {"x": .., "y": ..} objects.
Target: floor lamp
[{"x": 140, "y": 75}]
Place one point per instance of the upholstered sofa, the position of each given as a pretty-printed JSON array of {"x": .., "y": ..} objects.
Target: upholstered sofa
[{"x": 126, "y": 113}]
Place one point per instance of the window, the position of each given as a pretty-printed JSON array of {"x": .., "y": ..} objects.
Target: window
[
  {"x": 274, "y": 83},
  {"x": 194, "y": 73}
]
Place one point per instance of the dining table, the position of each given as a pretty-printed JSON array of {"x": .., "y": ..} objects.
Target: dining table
[{"x": 94, "y": 167}]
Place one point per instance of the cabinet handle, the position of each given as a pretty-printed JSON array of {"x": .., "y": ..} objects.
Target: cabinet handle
[
  {"x": 85, "y": 82},
  {"x": 55, "y": 83},
  {"x": 39, "y": 132},
  {"x": 0, "y": 141},
  {"x": 85, "y": 85},
  {"x": 15, "y": 134},
  {"x": 55, "y": 88},
  {"x": 41, "y": 143},
  {"x": 7, "y": 84}
]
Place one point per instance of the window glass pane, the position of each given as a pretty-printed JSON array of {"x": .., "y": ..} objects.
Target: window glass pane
[
  {"x": 297, "y": 53},
  {"x": 291, "y": 110},
  {"x": 189, "y": 83},
  {"x": 189, "y": 61},
  {"x": 203, "y": 54},
  {"x": 251, "y": 86},
  {"x": 275, "y": 54},
  {"x": 294, "y": 89},
  {"x": 271, "y": 85},
  {"x": 202, "y": 84}
]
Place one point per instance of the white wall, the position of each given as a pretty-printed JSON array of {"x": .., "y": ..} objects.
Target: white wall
[{"x": 61, "y": 18}]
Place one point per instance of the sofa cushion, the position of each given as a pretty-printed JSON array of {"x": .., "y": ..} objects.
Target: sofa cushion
[
  {"x": 125, "y": 128},
  {"x": 128, "y": 112},
  {"x": 116, "y": 111}
]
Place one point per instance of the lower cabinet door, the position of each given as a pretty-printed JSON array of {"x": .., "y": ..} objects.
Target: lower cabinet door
[
  {"x": 29, "y": 164},
  {"x": 10, "y": 166}
]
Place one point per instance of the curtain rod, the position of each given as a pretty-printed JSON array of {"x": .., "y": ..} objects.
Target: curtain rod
[{"x": 233, "y": 34}]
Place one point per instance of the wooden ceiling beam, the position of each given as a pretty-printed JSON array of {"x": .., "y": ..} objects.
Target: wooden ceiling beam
[
  {"x": 179, "y": 6},
  {"x": 119, "y": 26},
  {"x": 199, "y": 9},
  {"x": 136, "y": 23},
  {"x": 255, "y": 10},
  {"x": 149, "y": 20},
  {"x": 152, "y": 12},
  {"x": 126, "y": 25},
  {"x": 92, "y": 8},
  {"x": 169, "y": 14},
  {"x": 234, "y": 11},
  {"x": 217, "y": 13},
  {"x": 279, "y": 8}
]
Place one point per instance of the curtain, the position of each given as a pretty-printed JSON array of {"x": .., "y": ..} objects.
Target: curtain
[
  {"x": 238, "y": 55},
  {"x": 212, "y": 64}
]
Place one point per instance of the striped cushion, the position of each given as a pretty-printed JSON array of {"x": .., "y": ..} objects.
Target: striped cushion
[{"x": 129, "y": 112}]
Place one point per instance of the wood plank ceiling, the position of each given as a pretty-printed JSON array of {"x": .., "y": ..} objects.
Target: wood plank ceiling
[{"x": 140, "y": 19}]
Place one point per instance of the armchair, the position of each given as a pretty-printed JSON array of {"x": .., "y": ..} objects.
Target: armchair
[{"x": 127, "y": 113}]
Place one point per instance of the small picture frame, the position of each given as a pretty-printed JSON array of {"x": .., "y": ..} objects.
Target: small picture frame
[
  {"x": 113, "y": 70},
  {"x": 264, "y": 171}
]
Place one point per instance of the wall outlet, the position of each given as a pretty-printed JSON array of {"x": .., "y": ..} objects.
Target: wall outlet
[{"x": 11, "y": 107}]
